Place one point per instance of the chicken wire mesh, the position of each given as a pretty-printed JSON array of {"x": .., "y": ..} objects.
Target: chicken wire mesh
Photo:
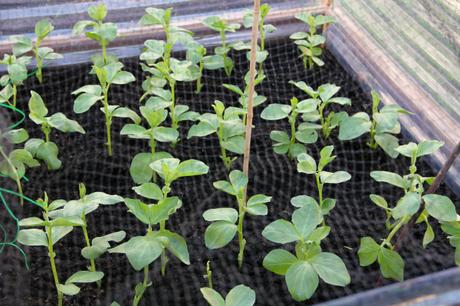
[{"x": 407, "y": 49}]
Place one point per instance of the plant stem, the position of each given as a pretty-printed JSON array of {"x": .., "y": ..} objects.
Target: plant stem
[
  {"x": 172, "y": 85},
  {"x": 372, "y": 144},
  {"x": 223, "y": 152},
  {"x": 88, "y": 244},
  {"x": 241, "y": 240},
  {"x": 153, "y": 145},
  {"x": 104, "y": 53},
  {"x": 17, "y": 179},
  {"x": 199, "y": 85},
  {"x": 321, "y": 116},
  {"x": 319, "y": 185},
  {"x": 51, "y": 254},
  {"x": 292, "y": 122},
  {"x": 395, "y": 229},
  {"x": 164, "y": 257},
  {"x": 108, "y": 121},
  {"x": 15, "y": 94},
  {"x": 209, "y": 274},
  {"x": 144, "y": 284}
]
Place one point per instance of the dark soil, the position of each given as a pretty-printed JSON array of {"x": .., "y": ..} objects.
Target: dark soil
[{"x": 85, "y": 160}]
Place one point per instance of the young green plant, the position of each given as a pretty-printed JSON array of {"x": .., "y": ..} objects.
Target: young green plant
[
  {"x": 227, "y": 125},
  {"x": 16, "y": 66},
  {"x": 414, "y": 202},
  {"x": 195, "y": 55},
  {"x": 142, "y": 251},
  {"x": 24, "y": 44},
  {"x": 54, "y": 230},
  {"x": 86, "y": 204},
  {"x": 307, "y": 164},
  {"x": 240, "y": 295},
  {"x": 244, "y": 95},
  {"x": 300, "y": 134},
  {"x": 140, "y": 165},
  {"x": 107, "y": 69},
  {"x": 221, "y": 58},
  {"x": 46, "y": 150},
  {"x": 227, "y": 222},
  {"x": 303, "y": 269},
  {"x": 310, "y": 43},
  {"x": 14, "y": 164},
  {"x": 170, "y": 170},
  {"x": 383, "y": 125},
  {"x": 322, "y": 97},
  {"x": 165, "y": 69}
]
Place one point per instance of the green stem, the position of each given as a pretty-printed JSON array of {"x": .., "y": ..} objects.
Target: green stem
[
  {"x": 223, "y": 152},
  {"x": 153, "y": 145},
  {"x": 241, "y": 240},
  {"x": 108, "y": 121},
  {"x": 292, "y": 122},
  {"x": 104, "y": 53},
  {"x": 145, "y": 284},
  {"x": 17, "y": 179},
  {"x": 164, "y": 257},
  {"x": 209, "y": 274},
  {"x": 323, "y": 121},
  {"x": 15, "y": 94},
  {"x": 372, "y": 143},
  {"x": 51, "y": 255},
  {"x": 395, "y": 229},
  {"x": 88, "y": 244},
  {"x": 172, "y": 108},
  {"x": 199, "y": 85},
  {"x": 319, "y": 185}
]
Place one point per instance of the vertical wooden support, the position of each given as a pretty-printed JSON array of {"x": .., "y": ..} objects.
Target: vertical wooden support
[{"x": 327, "y": 11}]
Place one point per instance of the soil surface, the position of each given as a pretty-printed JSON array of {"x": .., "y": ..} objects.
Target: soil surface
[{"x": 85, "y": 160}]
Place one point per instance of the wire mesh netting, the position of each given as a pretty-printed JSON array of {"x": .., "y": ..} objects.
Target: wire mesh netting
[{"x": 85, "y": 160}]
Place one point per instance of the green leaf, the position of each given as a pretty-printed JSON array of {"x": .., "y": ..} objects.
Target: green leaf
[
  {"x": 276, "y": 111},
  {"x": 103, "y": 198},
  {"x": 408, "y": 205},
  {"x": 335, "y": 177},
  {"x": 43, "y": 28},
  {"x": 201, "y": 129},
  {"x": 23, "y": 156},
  {"x": 48, "y": 152},
  {"x": 331, "y": 269},
  {"x": 301, "y": 280},
  {"x": 225, "y": 187},
  {"x": 238, "y": 180},
  {"x": 379, "y": 201},
  {"x": 84, "y": 102},
  {"x": 192, "y": 167},
  {"x": 212, "y": 297},
  {"x": 408, "y": 150},
  {"x": 60, "y": 232},
  {"x": 240, "y": 295},
  {"x": 68, "y": 289},
  {"x": 303, "y": 200},
  {"x": 281, "y": 231},
  {"x": 37, "y": 106},
  {"x": 304, "y": 87},
  {"x": 219, "y": 234},
  {"x": 62, "y": 123},
  {"x": 32, "y": 221},
  {"x": 389, "y": 177},
  {"x": 428, "y": 236},
  {"x": 388, "y": 143},
  {"x": 428, "y": 147},
  {"x": 140, "y": 168},
  {"x": 280, "y": 136},
  {"x": 213, "y": 62},
  {"x": 97, "y": 12},
  {"x": 123, "y": 77},
  {"x": 327, "y": 91},
  {"x": 140, "y": 250},
  {"x": 256, "y": 205},
  {"x": 164, "y": 134},
  {"x": 32, "y": 237},
  {"x": 368, "y": 251},
  {"x": 22, "y": 44},
  {"x": 306, "y": 219},
  {"x": 391, "y": 264},
  {"x": 94, "y": 90},
  {"x": 354, "y": 126},
  {"x": 17, "y": 73},
  {"x": 17, "y": 136},
  {"x": 306, "y": 164},
  {"x": 149, "y": 191},
  {"x": 221, "y": 214},
  {"x": 100, "y": 245},
  {"x": 84, "y": 277},
  {"x": 440, "y": 207},
  {"x": 177, "y": 245},
  {"x": 278, "y": 261}
]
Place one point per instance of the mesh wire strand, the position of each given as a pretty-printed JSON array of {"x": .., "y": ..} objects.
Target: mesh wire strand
[{"x": 85, "y": 160}]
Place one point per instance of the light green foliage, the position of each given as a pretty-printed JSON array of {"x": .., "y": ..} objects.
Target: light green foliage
[
  {"x": 310, "y": 43},
  {"x": 303, "y": 269},
  {"x": 23, "y": 44},
  {"x": 227, "y": 125},
  {"x": 78, "y": 209},
  {"x": 14, "y": 164},
  {"x": 107, "y": 68},
  {"x": 16, "y": 75},
  {"x": 300, "y": 134},
  {"x": 46, "y": 150},
  {"x": 240, "y": 295},
  {"x": 244, "y": 95},
  {"x": 54, "y": 230},
  {"x": 154, "y": 115},
  {"x": 307, "y": 164},
  {"x": 414, "y": 201},
  {"x": 220, "y": 59},
  {"x": 165, "y": 70},
  {"x": 196, "y": 54},
  {"x": 383, "y": 125},
  {"x": 227, "y": 222},
  {"x": 322, "y": 97}
]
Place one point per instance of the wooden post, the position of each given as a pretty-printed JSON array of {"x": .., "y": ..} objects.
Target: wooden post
[
  {"x": 252, "y": 75},
  {"x": 328, "y": 6}
]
